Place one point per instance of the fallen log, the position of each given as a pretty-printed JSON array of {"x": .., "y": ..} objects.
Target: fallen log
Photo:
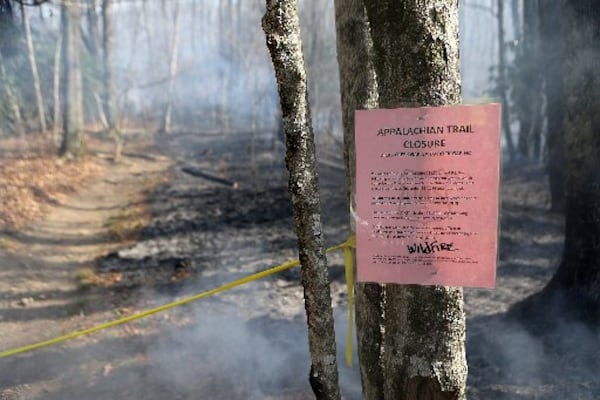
[{"x": 198, "y": 173}]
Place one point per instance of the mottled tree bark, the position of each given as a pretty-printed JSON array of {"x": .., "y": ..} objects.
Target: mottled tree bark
[
  {"x": 282, "y": 30},
  {"x": 411, "y": 338},
  {"x": 358, "y": 87},
  {"x": 72, "y": 144}
]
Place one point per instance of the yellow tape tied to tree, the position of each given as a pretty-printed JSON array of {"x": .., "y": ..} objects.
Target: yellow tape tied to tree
[{"x": 348, "y": 260}]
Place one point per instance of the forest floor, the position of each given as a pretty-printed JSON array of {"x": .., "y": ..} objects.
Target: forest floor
[{"x": 86, "y": 242}]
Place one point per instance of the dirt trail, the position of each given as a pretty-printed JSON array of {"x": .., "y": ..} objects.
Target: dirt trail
[{"x": 40, "y": 294}]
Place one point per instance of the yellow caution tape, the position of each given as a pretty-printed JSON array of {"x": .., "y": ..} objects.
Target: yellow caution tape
[
  {"x": 242, "y": 281},
  {"x": 349, "y": 265}
]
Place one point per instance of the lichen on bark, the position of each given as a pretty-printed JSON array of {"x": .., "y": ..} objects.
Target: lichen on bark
[{"x": 282, "y": 30}]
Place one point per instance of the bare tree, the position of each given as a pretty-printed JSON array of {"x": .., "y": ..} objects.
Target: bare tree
[
  {"x": 551, "y": 50},
  {"x": 109, "y": 96},
  {"x": 72, "y": 143},
  {"x": 56, "y": 91},
  {"x": 37, "y": 87},
  {"x": 527, "y": 84},
  {"x": 11, "y": 97},
  {"x": 91, "y": 36},
  {"x": 282, "y": 30},
  {"x": 411, "y": 339},
  {"x": 502, "y": 84},
  {"x": 165, "y": 126}
]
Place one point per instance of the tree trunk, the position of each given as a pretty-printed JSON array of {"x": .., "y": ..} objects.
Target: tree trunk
[
  {"x": 223, "y": 108},
  {"x": 411, "y": 339},
  {"x": 9, "y": 38},
  {"x": 109, "y": 96},
  {"x": 39, "y": 98},
  {"x": 502, "y": 86},
  {"x": 551, "y": 50},
  {"x": 528, "y": 85},
  {"x": 12, "y": 100},
  {"x": 282, "y": 29},
  {"x": 56, "y": 91},
  {"x": 165, "y": 126},
  {"x": 573, "y": 292},
  {"x": 515, "y": 8},
  {"x": 578, "y": 277},
  {"x": 93, "y": 36},
  {"x": 359, "y": 91},
  {"x": 72, "y": 144}
]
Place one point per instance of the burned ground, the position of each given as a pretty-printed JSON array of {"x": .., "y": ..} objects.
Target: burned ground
[{"x": 250, "y": 343}]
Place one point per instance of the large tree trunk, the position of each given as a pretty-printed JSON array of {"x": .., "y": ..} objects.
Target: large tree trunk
[
  {"x": 72, "y": 144},
  {"x": 411, "y": 339},
  {"x": 578, "y": 277},
  {"x": 574, "y": 291},
  {"x": 282, "y": 30}
]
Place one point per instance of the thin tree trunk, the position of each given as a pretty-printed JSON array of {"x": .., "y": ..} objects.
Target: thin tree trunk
[
  {"x": 173, "y": 64},
  {"x": 282, "y": 29},
  {"x": 12, "y": 100},
  {"x": 93, "y": 35},
  {"x": 129, "y": 75},
  {"x": 56, "y": 90},
  {"x": 108, "y": 95},
  {"x": 194, "y": 24},
  {"x": 528, "y": 90},
  {"x": 550, "y": 23},
  {"x": 515, "y": 8},
  {"x": 72, "y": 144},
  {"x": 226, "y": 76},
  {"x": 502, "y": 87},
  {"x": 37, "y": 87}
]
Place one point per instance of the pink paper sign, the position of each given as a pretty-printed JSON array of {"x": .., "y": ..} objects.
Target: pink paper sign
[{"x": 427, "y": 182}]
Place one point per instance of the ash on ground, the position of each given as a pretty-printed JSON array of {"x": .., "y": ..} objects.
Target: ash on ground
[
  {"x": 224, "y": 214},
  {"x": 215, "y": 230}
]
